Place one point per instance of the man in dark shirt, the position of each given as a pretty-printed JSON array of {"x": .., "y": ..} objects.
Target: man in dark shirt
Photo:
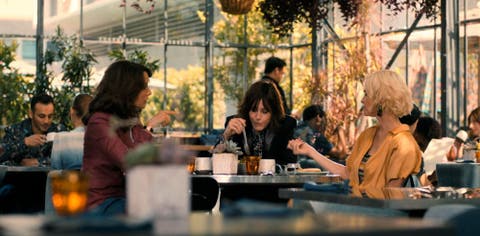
[
  {"x": 311, "y": 131},
  {"x": 275, "y": 71},
  {"x": 25, "y": 143}
]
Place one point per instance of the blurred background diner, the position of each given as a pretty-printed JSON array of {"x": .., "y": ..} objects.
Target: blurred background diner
[{"x": 67, "y": 147}]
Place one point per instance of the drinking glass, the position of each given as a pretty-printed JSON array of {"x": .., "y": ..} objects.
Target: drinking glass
[
  {"x": 69, "y": 192},
  {"x": 191, "y": 165},
  {"x": 252, "y": 163}
]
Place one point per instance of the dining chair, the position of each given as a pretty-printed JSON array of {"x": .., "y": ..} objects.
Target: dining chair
[
  {"x": 3, "y": 171},
  {"x": 49, "y": 210},
  {"x": 204, "y": 193}
]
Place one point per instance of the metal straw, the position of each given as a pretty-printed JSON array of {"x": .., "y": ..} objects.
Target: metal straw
[{"x": 245, "y": 143}]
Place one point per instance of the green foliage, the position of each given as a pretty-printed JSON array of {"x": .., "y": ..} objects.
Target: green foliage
[
  {"x": 229, "y": 63},
  {"x": 228, "y": 70},
  {"x": 14, "y": 88},
  {"x": 282, "y": 15},
  {"x": 189, "y": 111},
  {"x": 137, "y": 56},
  {"x": 188, "y": 99},
  {"x": 77, "y": 62}
]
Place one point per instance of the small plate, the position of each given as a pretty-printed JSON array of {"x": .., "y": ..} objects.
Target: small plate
[{"x": 313, "y": 173}]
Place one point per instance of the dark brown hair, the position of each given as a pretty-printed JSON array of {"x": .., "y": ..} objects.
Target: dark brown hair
[
  {"x": 474, "y": 115},
  {"x": 120, "y": 86},
  {"x": 80, "y": 104},
  {"x": 267, "y": 92},
  {"x": 42, "y": 99},
  {"x": 427, "y": 129}
]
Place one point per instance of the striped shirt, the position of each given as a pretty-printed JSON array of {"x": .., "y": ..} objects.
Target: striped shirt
[{"x": 361, "y": 168}]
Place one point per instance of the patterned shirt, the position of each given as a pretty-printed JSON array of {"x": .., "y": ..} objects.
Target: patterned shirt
[{"x": 15, "y": 148}]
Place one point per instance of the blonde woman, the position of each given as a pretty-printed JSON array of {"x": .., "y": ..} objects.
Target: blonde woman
[{"x": 384, "y": 154}]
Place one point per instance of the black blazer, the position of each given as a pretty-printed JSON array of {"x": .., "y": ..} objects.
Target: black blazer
[
  {"x": 282, "y": 94},
  {"x": 278, "y": 148}
]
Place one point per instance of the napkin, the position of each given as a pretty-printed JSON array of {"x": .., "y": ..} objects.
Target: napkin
[
  {"x": 436, "y": 152},
  {"x": 251, "y": 208},
  {"x": 331, "y": 187}
]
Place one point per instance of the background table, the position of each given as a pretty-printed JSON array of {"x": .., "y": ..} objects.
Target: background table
[
  {"x": 394, "y": 199},
  {"x": 28, "y": 192},
  {"x": 262, "y": 188},
  {"x": 202, "y": 224},
  {"x": 458, "y": 174},
  {"x": 278, "y": 180}
]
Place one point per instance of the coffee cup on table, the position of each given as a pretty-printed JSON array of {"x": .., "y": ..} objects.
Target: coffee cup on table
[
  {"x": 203, "y": 165},
  {"x": 50, "y": 136},
  {"x": 291, "y": 168},
  {"x": 266, "y": 166}
]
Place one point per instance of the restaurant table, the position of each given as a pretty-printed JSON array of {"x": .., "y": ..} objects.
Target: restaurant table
[
  {"x": 408, "y": 200},
  {"x": 263, "y": 188},
  {"x": 458, "y": 174},
  {"x": 278, "y": 180},
  {"x": 27, "y": 189},
  {"x": 204, "y": 224}
]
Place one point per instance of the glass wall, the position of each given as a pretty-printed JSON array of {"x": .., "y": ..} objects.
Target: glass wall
[{"x": 207, "y": 58}]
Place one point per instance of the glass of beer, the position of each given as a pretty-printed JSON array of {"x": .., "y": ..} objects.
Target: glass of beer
[
  {"x": 251, "y": 164},
  {"x": 191, "y": 165},
  {"x": 69, "y": 192}
]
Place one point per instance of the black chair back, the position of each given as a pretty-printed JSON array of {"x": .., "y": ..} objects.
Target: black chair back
[{"x": 204, "y": 193}]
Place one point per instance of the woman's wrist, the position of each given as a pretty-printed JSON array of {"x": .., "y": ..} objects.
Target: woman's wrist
[
  {"x": 225, "y": 135},
  {"x": 148, "y": 128}
]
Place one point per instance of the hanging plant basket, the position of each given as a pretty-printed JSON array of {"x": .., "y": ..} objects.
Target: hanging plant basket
[{"x": 236, "y": 7}]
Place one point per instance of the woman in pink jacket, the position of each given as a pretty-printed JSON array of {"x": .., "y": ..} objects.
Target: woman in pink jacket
[{"x": 121, "y": 95}]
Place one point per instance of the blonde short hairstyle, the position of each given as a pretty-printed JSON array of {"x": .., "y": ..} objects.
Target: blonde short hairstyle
[{"x": 389, "y": 91}]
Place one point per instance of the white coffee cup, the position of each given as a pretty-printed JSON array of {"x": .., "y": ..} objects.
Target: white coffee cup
[
  {"x": 203, "y": 165},
  {"x": 266, "y": 166},
  {"x": 51, "y": 136}
]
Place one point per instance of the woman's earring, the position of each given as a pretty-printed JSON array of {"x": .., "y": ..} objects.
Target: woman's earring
[{"x": 379, "y": 110}]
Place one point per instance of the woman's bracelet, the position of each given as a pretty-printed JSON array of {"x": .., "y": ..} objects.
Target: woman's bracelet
[{"x": 148, "y": 128}]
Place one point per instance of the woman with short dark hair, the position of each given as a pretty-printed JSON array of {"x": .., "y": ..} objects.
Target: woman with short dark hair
[{"x": 268, "y": 129}]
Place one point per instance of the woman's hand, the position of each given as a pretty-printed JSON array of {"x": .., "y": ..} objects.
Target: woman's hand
[
  {"x": 234, "y": 126},
  {"x": 161, "y": 118},
  {"x": 299, "y": 147}
]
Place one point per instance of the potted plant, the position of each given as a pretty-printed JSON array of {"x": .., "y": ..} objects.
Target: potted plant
[
  {"x": 236, "y": 7},
  {"x": 151, "y": 190},
  {"x": 283, "y": 14},
  {"x": 225, "y": 158}
]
